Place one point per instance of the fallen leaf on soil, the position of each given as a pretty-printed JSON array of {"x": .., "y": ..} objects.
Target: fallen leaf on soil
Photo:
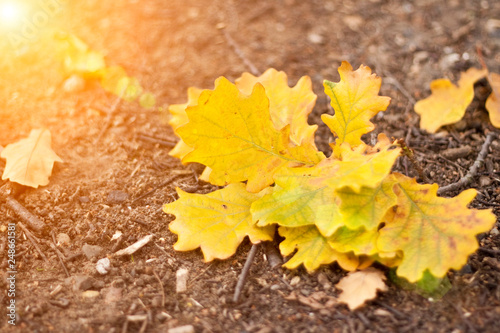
[
  {"x": 433, "y": 233},
  {"x": 313, "y": 249},
  {"x": 216, "y": 222},
  {"x": 447, "y": 103},
  {"x": 287, "y": 106},
  {"x": 493, "y": 101},
  {"x": 30, "y": 161},
  {"x": 361, "y": 286},
  {"x": 233, "y": 134},
  {"x": 355, "y": 101}
]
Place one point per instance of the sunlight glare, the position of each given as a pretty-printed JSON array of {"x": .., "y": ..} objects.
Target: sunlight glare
[{"x": 10, "y": 13}]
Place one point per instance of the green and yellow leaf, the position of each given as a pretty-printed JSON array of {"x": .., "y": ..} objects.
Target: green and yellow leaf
[
  {"x": 359, "y": 241},
  {"x": 312, "y": 250},
  {"x": 216, "y": 222},
  {"x": 433, "y": 233}
]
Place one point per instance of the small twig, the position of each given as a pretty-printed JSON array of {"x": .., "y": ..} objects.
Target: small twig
[
  {"x": 164, "y": 183},
  {"x": 244, "y": 272},
  {"x": 32, "y": 240},
  {"x": 468, "y": 178},
  {"x": 59, "y": 255},
  {"x": 240, "y": 53},
  {"x": 109, "y": 118},
  {"x": 33, "y": 222},
  {"x": 162, "y": 290},
  {"x": 410, "y": 154},
  {"x": 155, "y": 140}
]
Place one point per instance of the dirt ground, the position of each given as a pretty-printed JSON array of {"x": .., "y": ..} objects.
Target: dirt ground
[{"x": 170, "y": 46}]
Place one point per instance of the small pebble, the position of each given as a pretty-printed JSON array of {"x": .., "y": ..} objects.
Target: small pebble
[
  {"x": 485, "y": 181},
  {"x": 182, "y": 277},
  {"x": 117, "y": 197},
  {"x": 90, "y": 294},
  {"x": 315, "y": 38},
  {"x": 494, "y": 231},
  {"x": 74, "y": 83},
  {"x": 63, "y": 239},
  {"x": 80, "y": 282},
  {"x": 111, "y": 295},
  {"x": 295, "y": 281},
  {"x": 91, "y": 251},
  {"x": 182, "y": 329},
  {"x": 103, "y": 266}
]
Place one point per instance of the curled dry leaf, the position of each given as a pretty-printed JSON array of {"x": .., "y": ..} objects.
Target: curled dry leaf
[
  {"x": 30, "y": 160},
  {"x": 361, "y": 286}
]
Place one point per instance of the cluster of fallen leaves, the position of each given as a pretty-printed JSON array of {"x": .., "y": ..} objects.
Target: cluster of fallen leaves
[
  {"x": 254, "y": 139},
  {"x": 448, "y": 102}
]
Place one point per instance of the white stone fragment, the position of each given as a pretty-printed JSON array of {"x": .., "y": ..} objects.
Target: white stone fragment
[
  {"x": 103, "y": 266},
  {"x": 182, "y": 277}
]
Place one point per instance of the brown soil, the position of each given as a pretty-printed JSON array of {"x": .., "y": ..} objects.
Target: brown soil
[{"x": 172, "y": 45}]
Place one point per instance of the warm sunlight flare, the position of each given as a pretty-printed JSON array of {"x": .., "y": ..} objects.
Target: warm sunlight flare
[{"x": 10, "y": 13}]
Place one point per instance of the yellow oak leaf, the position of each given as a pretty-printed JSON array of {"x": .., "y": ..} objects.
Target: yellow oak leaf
[
  {"x": 447, "y": 103},
  {"x": 359, "y": 241},
  {"x": 216, "y": 222},
  {"x": 287, "y": 106},
  {"x": 433, "y": 233},
  {"x": 355, "y": 100},
  {"x": 179, "y": 117},
  {"x": 30, "y": 161},
  {"x": 493, "y": 101},
  {"x": 368, "y": 207},
  {"x": 312, "y": 250},
  {"x": 361, "y": 286},
  {"x": 233, "y": 134}
]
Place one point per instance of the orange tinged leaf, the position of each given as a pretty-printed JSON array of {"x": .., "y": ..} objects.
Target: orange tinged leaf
[
  {"x": 287, "y": 106},
  {"x": 233, "y": 134},
  {"x": 493, "y": 101},
  {"x": 216, "y": 222},
  {"x": 447, "y": 103},
  {"x": 312, "y": 250},
  {"x": 361, "y": 286},
  {"x": 30, "y": 161},
  {"x": 433, "y": 233},
  {"x": 355, "y": 101}
]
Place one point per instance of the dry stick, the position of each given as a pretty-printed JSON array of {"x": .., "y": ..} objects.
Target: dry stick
[
  {"x": 240, "y": 54},
  {"x": 162, "y": 290},
  {"x": 33, "y": 241},
  {"x": 109, "y": 117},
  {"x": 166, "y": 182},
  {"x": 155, "y": 140},
  {"x": 33, "y": 222},
  {"x": 467, "y": 179},
  {"x": 59, "y": 254},
  {"x": 244, "y": 273}
]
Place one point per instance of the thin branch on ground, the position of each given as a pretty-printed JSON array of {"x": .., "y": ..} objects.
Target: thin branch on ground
[
  {"x": 59, "y": 254},
  {"x": 243, "y": 276},
  {"x": 469, "y": 177},
  {"x": 162, "y": 289},
  {"x": 109, "y": 117},
  {"x": 32, "y": 240},
  {"x": 240, "y": 53},
  {"x": 163, "y": 184},
  {"x": 31, "y": 220}
]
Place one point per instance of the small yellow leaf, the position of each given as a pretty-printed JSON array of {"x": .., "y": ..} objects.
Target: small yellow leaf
[
  {"x": 355, "y": 101},
  {"x": 233, "y": 135},
  {"x": 287, "y": 106},
  {"x": 312, "y": 250},
  {"x": 30, "y": 161},
  {"x": 493, "y": 101},
  {"x": 433, "y": 233},
  {"x": 447, "y": 103},
  {"x": 216, "y": 222},
  {"x": 361, "y": 286}
]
